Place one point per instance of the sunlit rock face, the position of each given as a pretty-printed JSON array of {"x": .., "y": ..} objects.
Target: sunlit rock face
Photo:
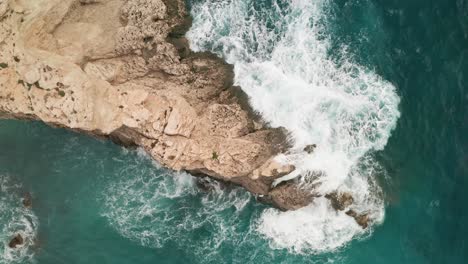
[{"x": 124, "y": 69}]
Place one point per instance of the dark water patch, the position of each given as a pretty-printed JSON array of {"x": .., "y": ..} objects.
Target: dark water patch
[{"x": 421, "y": 47}]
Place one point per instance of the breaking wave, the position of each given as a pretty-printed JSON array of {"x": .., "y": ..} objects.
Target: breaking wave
[
  {"x": 280, "y": 52},
  {"x": 158, "y": 208}
]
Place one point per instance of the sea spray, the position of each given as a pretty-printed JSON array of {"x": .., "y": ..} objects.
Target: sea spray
[
  {"x": 15, "y": 219},
  {"x": 280, "y": 54}
]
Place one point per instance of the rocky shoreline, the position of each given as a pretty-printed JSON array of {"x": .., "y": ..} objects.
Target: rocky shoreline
[{"x": 123, "y": 69}]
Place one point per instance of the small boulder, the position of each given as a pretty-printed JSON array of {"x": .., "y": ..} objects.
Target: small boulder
[
  {"x": 310, "y": 148},
  {"x": 16, "y": 241},
  {"x": 340, "y": 201},
  {"x": 361, "y": 219}
]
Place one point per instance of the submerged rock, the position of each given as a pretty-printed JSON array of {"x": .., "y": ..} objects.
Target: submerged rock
[
  {"x": 288, "y": 196},
  {"x": 16, "y": 241},
  {"x": 273, "y": 170},
  {"x": 362, "y": 219}
]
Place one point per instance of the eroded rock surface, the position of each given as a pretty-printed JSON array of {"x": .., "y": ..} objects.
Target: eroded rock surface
[
  {"x": 290, "y": 196},
  {"x": 340, "y": 201},
  {"x": 123, "y": 69}
]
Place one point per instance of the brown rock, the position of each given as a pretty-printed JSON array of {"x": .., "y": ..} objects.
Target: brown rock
[
  {"x": 27, "y": 200},
  {"x": 340, "y": 201},
  {"x": 16, "y": 241},
  {"x": 289, "y": 196},
  {"x": 361, "y": 219},
  {"x": 4, "y": 7},
  {"x": 310, "y": 148}
]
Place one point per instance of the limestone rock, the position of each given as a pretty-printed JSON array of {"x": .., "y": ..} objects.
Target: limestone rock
[
  {"x": 273, "y": 169},
  {"x": 341, "y": 201},
  {"x": 122, "y": 69},
  {"x": 227, "y": 120}
]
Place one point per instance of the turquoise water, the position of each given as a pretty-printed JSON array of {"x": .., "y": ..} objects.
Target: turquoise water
[{"x": 94, "y": 202}]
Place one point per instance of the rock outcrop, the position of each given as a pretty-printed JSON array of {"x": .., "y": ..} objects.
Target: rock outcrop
[
  {"x": 16, "y": 241},
  {"x": 289, "y": 196},
  {"x": 122, "y": 69},
  {"x": 342, "y": 201},
  {"x": 362, "y": 219}
]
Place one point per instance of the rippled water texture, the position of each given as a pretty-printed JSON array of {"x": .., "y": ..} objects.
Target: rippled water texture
[{"x": 379, "y": 86}]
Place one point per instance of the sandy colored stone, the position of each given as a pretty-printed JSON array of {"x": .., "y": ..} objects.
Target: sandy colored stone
[{"x": 122, "y": 69}]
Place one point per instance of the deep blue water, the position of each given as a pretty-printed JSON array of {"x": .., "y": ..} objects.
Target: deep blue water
[
  {"x": 421, "y": 47},
  {"x": 95, "y": 202}
]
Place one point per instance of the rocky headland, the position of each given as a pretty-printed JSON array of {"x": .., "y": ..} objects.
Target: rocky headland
[{"x": 122, "y": 69}]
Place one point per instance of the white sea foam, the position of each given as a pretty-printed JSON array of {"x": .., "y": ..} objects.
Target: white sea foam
[
  {"x": 153, "y": 207},
  {"x": 15, "y": 219},
  {"x": 280, "y": 57}
]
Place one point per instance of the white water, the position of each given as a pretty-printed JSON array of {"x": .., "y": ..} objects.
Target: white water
[
  {"x": 15, "y": 219},
  {"x": 155, "y": 207},
  {"x": 346, "y": 110}
]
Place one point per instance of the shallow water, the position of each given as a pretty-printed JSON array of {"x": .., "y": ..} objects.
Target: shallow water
[{"x": 380, "y": 86}]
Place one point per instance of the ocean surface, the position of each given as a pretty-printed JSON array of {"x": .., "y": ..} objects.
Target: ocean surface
[{"x": 380, "y": 86}]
